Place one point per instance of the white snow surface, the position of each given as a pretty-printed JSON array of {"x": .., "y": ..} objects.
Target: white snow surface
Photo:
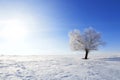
[{"x": 60, "y": 67}]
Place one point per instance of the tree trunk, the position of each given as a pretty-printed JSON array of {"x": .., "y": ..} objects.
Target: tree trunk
[{"x": 86, "y": 54}]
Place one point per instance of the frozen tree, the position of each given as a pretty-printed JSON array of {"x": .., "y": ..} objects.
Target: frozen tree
[
  {"x": 88, "y": 41},
  {"x": 74, "y": 40}
]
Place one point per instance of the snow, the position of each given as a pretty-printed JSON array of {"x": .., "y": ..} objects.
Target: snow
[{"x": 60, "y": 67}]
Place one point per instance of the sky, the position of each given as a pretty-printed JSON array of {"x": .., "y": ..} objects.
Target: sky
[{"x": 38, "y": 27}]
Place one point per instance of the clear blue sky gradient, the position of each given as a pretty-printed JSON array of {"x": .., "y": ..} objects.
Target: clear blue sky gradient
[{"x": 53, "y": 19}]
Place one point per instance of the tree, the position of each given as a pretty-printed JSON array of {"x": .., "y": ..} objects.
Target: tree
[{"x": 88, "y": 41}]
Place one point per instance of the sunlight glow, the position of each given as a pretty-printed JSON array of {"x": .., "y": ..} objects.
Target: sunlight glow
[{"x": 13, "y": 29}]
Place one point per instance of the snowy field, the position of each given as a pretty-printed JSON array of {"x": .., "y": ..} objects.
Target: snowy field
[{"x": 62, "y": 67}]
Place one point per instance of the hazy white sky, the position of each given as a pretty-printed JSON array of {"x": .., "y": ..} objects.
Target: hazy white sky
[{"x": 23, "y": 30}]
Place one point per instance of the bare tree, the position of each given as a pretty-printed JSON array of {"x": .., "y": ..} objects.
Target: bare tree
[{"x": 88, "y": 41}]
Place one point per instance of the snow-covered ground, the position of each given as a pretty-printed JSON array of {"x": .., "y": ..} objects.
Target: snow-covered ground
[{"x": 61, "y": 67}]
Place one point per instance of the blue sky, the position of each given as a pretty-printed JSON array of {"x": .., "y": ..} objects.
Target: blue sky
[{"x": 42, "y": 26}]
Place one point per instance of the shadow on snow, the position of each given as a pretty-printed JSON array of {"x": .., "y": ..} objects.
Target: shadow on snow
[{"x": 111, "y": 59}]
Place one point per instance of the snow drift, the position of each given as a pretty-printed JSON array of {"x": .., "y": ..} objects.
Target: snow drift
[{"x": 59, "y": 68}]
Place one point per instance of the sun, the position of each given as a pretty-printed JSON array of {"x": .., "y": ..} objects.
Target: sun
[{"x": 14, "y": 29}]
